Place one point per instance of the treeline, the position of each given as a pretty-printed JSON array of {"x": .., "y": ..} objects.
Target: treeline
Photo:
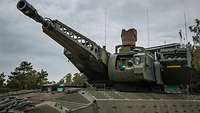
[
  {"x": 77, "y": 79},
  {"x": 195, "y": 29},
  {"x": 196, "y": 70},
  {"x": 23, "y": 77},
  {"x": 196, "y": 60}
]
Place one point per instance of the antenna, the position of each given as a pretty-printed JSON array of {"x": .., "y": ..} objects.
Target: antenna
[
  {"x": 181, "y": 37},
  {"x": 105, "y": 38},
  {"x": 148, "y": 32},
  {"x": 185, "y": 22}
]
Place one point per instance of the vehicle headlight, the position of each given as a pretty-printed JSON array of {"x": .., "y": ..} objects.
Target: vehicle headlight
[{"x": 137, "y": 60}]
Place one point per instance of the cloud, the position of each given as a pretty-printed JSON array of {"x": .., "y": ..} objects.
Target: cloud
[{"x": 22, "y": 39}]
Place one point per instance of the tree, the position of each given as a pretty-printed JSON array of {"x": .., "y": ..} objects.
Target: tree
[
  {"x": 68, "y": 79},
  {"x": 196, "y": 56},
  {"x": 42, "y": 78},
  {"x": 196, "y": 59},
  {"x": 196, "y": 30},
  {"x": 19, "y": 77},
  {"x": 25, "y": 77},
  {"x": 2, "y": 79},
  {"x": 79, "y": 79}
]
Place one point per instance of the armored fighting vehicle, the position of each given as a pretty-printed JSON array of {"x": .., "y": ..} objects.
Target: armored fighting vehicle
[{"x": 134, "y": 79}]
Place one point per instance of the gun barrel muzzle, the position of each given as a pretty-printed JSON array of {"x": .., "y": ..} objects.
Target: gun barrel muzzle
[
  {"x": 21, "y": 5},
  {"x": 29, "y": 11}
]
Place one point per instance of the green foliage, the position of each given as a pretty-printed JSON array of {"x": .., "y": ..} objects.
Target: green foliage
[
  {"x": 68, "y": 79},
  {"x": 196, "y": 70},
  {"x": 196, "y": 30},
  {"x": 42, "y": 78},
  {"x": 196, "y": 59},
  {"x": 196, "y": 56},
  {"x": 196, "y": 51},
  {"x": 2, "y": 79},
  {"x": 79, "y": 79},
  {"x": 25, "y": 77}
]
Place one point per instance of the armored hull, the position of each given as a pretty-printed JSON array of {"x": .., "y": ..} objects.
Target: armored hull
[{"x": 91, "y": 101}]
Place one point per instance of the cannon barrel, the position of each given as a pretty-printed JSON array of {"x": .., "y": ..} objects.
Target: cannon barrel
[{"x": 27, "y": 9}]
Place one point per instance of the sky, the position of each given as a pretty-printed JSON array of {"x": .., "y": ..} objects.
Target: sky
[{"x": 22, "y": 39}]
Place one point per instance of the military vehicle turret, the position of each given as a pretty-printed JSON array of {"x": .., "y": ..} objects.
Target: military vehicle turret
[
  {"x": 128, "y": 65},
  {"x": 130, "y": 68}
]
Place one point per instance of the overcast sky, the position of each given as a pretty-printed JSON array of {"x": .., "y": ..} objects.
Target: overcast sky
[{"x": 22, "y": 39}]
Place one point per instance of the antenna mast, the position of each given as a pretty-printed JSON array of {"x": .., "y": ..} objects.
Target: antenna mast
[
  {"x": 105, "y": 38},
  {"x": 185, "y": 23},
  {"x": 148, "y": 31},
  {"x": 181, "y": 37}
]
